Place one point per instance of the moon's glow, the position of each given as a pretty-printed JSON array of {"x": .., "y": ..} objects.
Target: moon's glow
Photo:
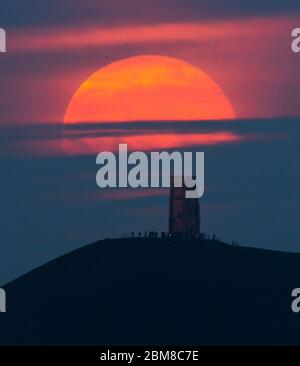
[{"x": 148, "y": 88}]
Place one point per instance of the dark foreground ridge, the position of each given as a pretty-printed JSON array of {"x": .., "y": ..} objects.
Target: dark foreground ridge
[{"x": 156, "y": 292}]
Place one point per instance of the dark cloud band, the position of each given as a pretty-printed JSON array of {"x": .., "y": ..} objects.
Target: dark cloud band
[{"x": 19, "y": 13}]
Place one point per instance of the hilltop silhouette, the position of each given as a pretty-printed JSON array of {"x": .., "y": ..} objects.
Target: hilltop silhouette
[{"x": 156, "y": 292}]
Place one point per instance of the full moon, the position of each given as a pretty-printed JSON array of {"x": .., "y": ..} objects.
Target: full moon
[{"x": 148, "y": 88}]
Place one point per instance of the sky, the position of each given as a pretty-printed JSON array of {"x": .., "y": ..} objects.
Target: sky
[{"x": 50, "y": 202}]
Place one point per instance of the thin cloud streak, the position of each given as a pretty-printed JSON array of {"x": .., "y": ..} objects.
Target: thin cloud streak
[
  {"x": 61, "y": 39},
  {"x": 49, "y": 131},
  {"x": 91, "y": 138}
]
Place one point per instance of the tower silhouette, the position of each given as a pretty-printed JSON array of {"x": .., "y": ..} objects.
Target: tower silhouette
[{"x": 184, "y": 213}]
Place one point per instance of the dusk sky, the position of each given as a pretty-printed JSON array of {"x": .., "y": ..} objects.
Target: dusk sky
[{"x": 237, "y": 53}]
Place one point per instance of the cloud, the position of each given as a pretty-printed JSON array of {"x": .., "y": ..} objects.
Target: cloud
[
  {"x": 92, "y": 138},
  {"x": 66, "y": 39},
  {"x": 19, "y": 13}
]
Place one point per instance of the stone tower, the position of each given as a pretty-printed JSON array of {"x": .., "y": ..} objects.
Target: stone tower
[{"x": 184, "y": 213}]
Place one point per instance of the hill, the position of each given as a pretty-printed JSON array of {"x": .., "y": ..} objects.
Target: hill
[{"x": 156, "y": 292}]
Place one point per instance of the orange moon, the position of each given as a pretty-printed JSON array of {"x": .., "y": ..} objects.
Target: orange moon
[{"x": 144, "y": 88}]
